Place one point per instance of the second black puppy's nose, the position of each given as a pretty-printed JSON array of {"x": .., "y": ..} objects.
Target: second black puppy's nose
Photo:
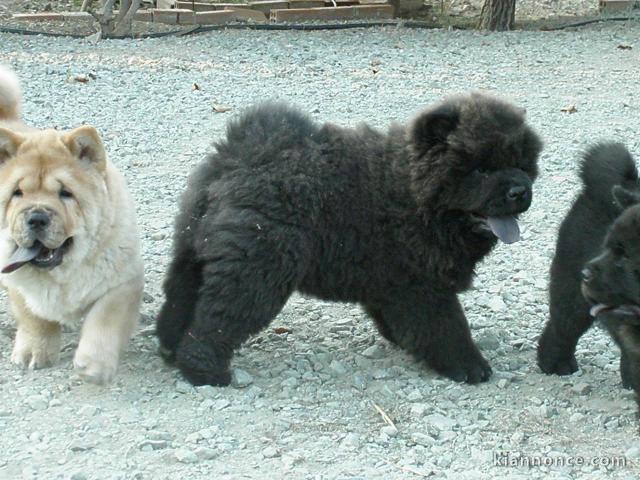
[
  {"x": 587, "y": 274},
  {"x": 516, "y": 193},
  {"x": 38, "y": 220}
]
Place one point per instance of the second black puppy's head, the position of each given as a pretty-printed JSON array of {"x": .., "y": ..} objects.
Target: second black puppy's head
[
  {"x": 475, "y": 155},
  {"x": 611, "y": 281}
]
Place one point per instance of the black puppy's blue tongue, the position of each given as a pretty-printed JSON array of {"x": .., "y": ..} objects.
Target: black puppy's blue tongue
[{"x": 505, "y": 228}]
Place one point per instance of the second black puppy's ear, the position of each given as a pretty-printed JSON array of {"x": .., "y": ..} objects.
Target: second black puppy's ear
[
  {"x": 433, "y": 127},
  {"x": 625, "y": 198}
]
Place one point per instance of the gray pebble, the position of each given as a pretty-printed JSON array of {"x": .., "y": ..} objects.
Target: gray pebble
[
  {"x": 270, "y": 452},
  {"x": 440, "y": 422},
  {"x": 241, "y": 378},
  {"x": 423, "y": 439},
  {"x": 582, "y": 388},
  {"x": 184, "y": 387},
  {"x": 337, "y": 368},
  {"x": 374, "y": 352},
  {"x": 185, "y": 456},
  {"x": 37, "y": 402},
  {"x": 153, "y": 445}
]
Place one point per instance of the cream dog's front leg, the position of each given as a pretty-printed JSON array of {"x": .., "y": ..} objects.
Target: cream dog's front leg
[
  {"x": 37, "y": 343},
  {"x": 106, "y": 331}
]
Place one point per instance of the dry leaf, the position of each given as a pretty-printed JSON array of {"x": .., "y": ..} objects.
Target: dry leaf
[
  {"x": 625, "y": 47},
  {"x": 569, "y": 109},
  {"x": 281, "y": 330},
  {"x": 221, "y": 108},
  {"x": 195, "y": 86},
  {"x": 375, "y": 65},
  {"x": 81, "y": 78}
]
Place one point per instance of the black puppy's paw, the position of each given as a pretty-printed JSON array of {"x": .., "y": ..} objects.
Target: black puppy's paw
[
  {"x": 202, "y": 364},
  {"x": 558, "y": 366},
  {"x": 556, "y": 361},
  {"x": 167, "y": 354},
  {"x": 471, "y": 371}
]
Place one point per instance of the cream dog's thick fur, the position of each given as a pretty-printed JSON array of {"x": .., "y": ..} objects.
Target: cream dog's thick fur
[{"x": 65, "y": 205}]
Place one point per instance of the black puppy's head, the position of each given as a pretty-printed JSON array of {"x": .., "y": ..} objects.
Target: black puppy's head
[
  {"x": 611, "y": 281},
  {"x": 474, "y": 154}
]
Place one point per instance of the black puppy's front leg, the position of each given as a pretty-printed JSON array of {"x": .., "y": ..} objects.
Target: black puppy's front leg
[{"x": 432, "y": 327}]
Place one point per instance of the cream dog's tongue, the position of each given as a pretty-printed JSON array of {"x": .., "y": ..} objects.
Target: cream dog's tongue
[
  {"x": 21, "y": 256},
  {"x": 505, "y": 228}
]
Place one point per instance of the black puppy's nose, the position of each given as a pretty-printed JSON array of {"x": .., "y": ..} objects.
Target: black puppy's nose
[
  {"x": 516, "y": 193},
  {"x": 587, "y": 274},
  {"x": 38, "y": 219}
]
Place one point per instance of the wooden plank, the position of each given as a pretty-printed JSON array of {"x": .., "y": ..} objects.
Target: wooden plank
[
  {"x": 266, "y": 6},
  {"x": 143, "y": 16},
  {"x": 205, "y": 7},
  {"x": 208, "y": 7},
  {"x": 173, "y": 16},
  {"x": 38, "y": 17},
  {"x": 78, "y": 16},
  {"x": 165, "y": 4},
  {"x": 341, "y": 3},
  {"x": 608, "y": 6},
  {"x": 217, "y": 17},
  {"x": 306, "y": 3},
  {"x": 332, "y": 13},
  {"x": 248, "y": 15}
]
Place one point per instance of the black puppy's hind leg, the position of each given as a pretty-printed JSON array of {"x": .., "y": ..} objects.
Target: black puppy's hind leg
[
  {"x": 242, "y": 290},
  {"x": 432, "y": 327},
  {"x": 384, "y": 329},
  {"x": 569, "y": 319},
  {"x": 181, "y": 287}
]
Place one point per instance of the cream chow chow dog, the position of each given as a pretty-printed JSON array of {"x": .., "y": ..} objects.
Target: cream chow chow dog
[{"x": 69, "y": 245}]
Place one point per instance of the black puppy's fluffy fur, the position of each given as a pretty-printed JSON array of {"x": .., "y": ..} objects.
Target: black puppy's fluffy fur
[
  {"x": 597, "y": 262},
  {"x": 395, "y": 221}
]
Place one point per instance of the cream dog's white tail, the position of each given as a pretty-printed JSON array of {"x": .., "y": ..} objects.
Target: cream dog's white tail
[{"x": 10, "y": 97}]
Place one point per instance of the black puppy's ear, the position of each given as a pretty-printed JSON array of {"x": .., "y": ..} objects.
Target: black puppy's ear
[
  {"x": 624, "y": 198},
  {"x": 433, "y": 127}
]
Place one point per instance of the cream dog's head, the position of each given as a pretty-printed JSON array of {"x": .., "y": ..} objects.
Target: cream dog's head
[{"x": 53, "y": 195}]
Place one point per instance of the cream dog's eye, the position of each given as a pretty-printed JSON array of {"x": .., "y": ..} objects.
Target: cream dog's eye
[
  {"x": 65, "y": 194},
  {"x": 17, "y": 192}
]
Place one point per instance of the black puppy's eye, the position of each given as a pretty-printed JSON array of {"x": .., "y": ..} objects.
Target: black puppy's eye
[
  {"x": 17, "y": 193},
  {"x": 482, "y": 171},
  {"x": 65, "y": 194},
  {"x": 619, "y": 251}
]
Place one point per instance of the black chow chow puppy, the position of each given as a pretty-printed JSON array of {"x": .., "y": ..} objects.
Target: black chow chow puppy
[
  {"x": 607, "y": 287},
  {"x": 395, "y": 221},
  {"x": 611, "y": 283}
]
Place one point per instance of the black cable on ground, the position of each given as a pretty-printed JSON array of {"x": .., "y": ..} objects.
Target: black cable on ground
[
  {"x": 241, "y": 26},
  {"x": 588, "y": 22},
  {"x": 297, "y": 26}
]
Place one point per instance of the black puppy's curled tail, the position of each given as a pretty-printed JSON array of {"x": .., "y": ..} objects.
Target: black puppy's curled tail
[{"x": 606, "y": 165}]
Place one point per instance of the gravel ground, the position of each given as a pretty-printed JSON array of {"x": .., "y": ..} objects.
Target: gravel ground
[{"x": 304, "y": 402}]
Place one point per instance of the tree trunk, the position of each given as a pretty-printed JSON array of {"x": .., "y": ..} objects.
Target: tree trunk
[
  {"x": 121, "y": 25},
  {"x": 498, "y": 15}
]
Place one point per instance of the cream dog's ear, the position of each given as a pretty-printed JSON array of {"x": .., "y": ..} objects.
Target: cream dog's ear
[
  {"x": 9, "y": 144},
  {"x": 85, "y": 143}
]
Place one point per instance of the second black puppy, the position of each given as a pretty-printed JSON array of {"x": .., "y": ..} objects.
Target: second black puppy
[
  {"x": 393, "y": 220},
  {"x": 596, "y": 274},
  {"x": 611, "y": 283}
]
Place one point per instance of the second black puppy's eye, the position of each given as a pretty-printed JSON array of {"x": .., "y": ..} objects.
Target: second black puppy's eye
[
  {"x": 17, "y": 193},
  {"x": 65, "y": 194},
  {"x": 619, "y": 250}
]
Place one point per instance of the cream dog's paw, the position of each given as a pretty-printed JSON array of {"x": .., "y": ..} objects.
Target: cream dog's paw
[
  {"x": 95, "y": 365},
  {"x": 34, "y": 351}
]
